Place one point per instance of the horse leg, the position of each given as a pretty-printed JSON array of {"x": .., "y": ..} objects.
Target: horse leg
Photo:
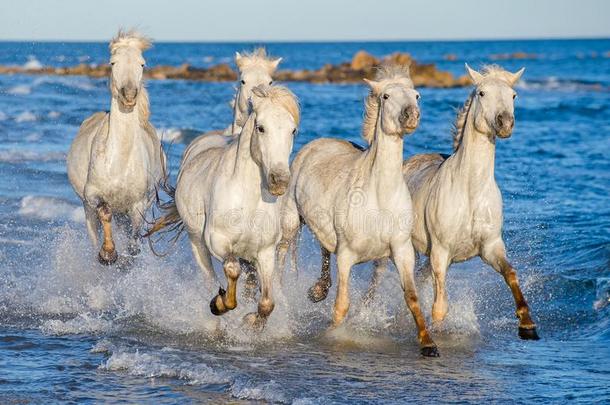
[
  {"x": 265, "y": 264},
  {"x": 379, "y": 268},
  {"x": 203, "y": 258},
  {"x": 319, "y": 291},
  {"x": 133, "y": 227},
  {"x": 93, "y": 225},
  {"x": 404, "y": 259},
  {"x": 107, "y": 254},
  {"x": 495, "y": 256},
  {"x": 227, "y": 300},
  {"x": 439, "y": 261},
  {"x": 344, "y": 267}
]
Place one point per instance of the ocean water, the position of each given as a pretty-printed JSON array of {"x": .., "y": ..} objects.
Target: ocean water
[{"x": 72, "y": 330}]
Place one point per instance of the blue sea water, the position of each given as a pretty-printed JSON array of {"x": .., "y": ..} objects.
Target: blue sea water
[{"x": 74, "y": 331}]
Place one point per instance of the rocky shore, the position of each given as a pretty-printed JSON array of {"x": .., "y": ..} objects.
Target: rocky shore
[{"x": 361, "y": 66}]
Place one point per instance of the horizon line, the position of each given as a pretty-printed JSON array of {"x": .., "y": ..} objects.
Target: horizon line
[{"x": 292, "y": 41}]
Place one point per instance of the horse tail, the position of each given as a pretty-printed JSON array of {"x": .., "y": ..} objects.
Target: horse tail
[{"x": 169, "y": 222}]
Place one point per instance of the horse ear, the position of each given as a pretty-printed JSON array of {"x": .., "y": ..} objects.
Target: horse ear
[
  {"x": 375, "y": 86},
  {"x": 514, "y": 77},
  {"x": 274, "y": 64},
  {"x": 475, "y": 76},
  {"x": 238, "y": 58}
]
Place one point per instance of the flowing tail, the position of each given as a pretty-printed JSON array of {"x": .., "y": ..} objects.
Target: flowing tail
[{"x": 169, "y": 222}]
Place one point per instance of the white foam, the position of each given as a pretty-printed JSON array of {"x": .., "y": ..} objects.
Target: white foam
[
  {"x": 269, "y": 391},
  {"x": 602, "y": 293},
  {"x": 33, "y": 137},
  {"x": 20, "y": 90},
  {"x": 20, "y": 156},
  {"x": 54, "y": 114},
  {"x": 162, "y": 363},
  {"x": 26, "y": 116},
  {"x": 32, "y": 63},
  {"x": 82, "y": 323},
  {"x": 172, "y": 135},
  {"x": 50, "y": 208},
  {"x": 3, "y": 116}
]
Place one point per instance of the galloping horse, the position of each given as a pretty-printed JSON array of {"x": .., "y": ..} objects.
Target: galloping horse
[
  {"x": 116, "y": 160},
  {"x": 226, "y": 197},
  {"x": 355, "y": 201}
]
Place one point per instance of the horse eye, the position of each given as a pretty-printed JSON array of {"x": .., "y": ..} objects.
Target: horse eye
[
  {"x": 111, "y": 63},
  {"x": 271, "y": 82},
  {"x": 481, "y": 93},
  {"x": 417, "y": 96},
  {"x": 243, "y": 82},
  {"x": 260, "y": 129},
  {"x": 514, "y": 96},
  {"x": 294, "y": 131},
  {"x": 142, "y": 65},
  {"x": 386, "y": 96}
]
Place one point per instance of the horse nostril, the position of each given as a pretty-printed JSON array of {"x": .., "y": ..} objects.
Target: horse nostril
[
  {"x": 505, "y": 120},
  {"x": 499, "y": 120}
]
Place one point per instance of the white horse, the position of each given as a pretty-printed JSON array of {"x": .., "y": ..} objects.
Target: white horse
[
  {"x": 355, "y": 201},
  {"x": 254, "y": 69},
  {"x": 457, "y": 204},
  {"x": 227, "y": 197},
  {"x": 116, "y": 160}
]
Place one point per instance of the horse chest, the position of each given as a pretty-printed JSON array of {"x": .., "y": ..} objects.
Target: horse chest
[
  {"x": 372, "y": 224},
  {"x": 469, "y": 227},
  {"x": 241, "y": 229}
]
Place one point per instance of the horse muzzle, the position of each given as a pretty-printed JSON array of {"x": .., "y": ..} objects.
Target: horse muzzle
[
  {"x": 504, "y": 125},
  {"x": 129, "y": 96},
  {"x": 277, "y": 182},
  {"x": 409, "y": 119}
]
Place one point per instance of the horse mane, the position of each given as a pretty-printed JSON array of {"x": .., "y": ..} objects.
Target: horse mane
[
  {"x": 130, "y": 38},
  {"x": 385, "y": 74},
  {"x": 496, "y": 72},
  {"x": 257, "y": 57},
  {"x": 279, "y": 95},
  {"x": 460, "y": 121},
  {"x": 143, "y": 105}
]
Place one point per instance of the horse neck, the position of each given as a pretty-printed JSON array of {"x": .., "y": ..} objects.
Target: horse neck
[
  {"x": 384, "y": 159},
  {"x": 122, "y": 128},
  {"x": 475, "y": 157},
  {"x": 244, "y": 164}
]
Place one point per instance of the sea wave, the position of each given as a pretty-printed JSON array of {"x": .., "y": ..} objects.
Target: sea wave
[
  {"x": 19, "y": 90},
  {"x": 26, "y": 116},
  {"x": 558, "y": 84},
  {"x": 162, "y": 363},
  {"x": 32, "y": 63},
  {"x": 22, "y": 156},
  {"x": 50, "y": 208},
  {"x": 170, "y": 363}
]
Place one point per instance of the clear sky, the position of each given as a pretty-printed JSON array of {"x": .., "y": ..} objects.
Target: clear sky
[{"x": 286, "y": 20}]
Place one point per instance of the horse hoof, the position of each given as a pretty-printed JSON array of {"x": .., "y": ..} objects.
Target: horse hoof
[
  {"x": 255, "y": 321},
  {"x": 107, "y": 258},
  {"x": 528, "y": 333},
  {"x": 317, "y": 292},
  {"x": 217, "y": 306},
  {"x": 430, "y": 351}
]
